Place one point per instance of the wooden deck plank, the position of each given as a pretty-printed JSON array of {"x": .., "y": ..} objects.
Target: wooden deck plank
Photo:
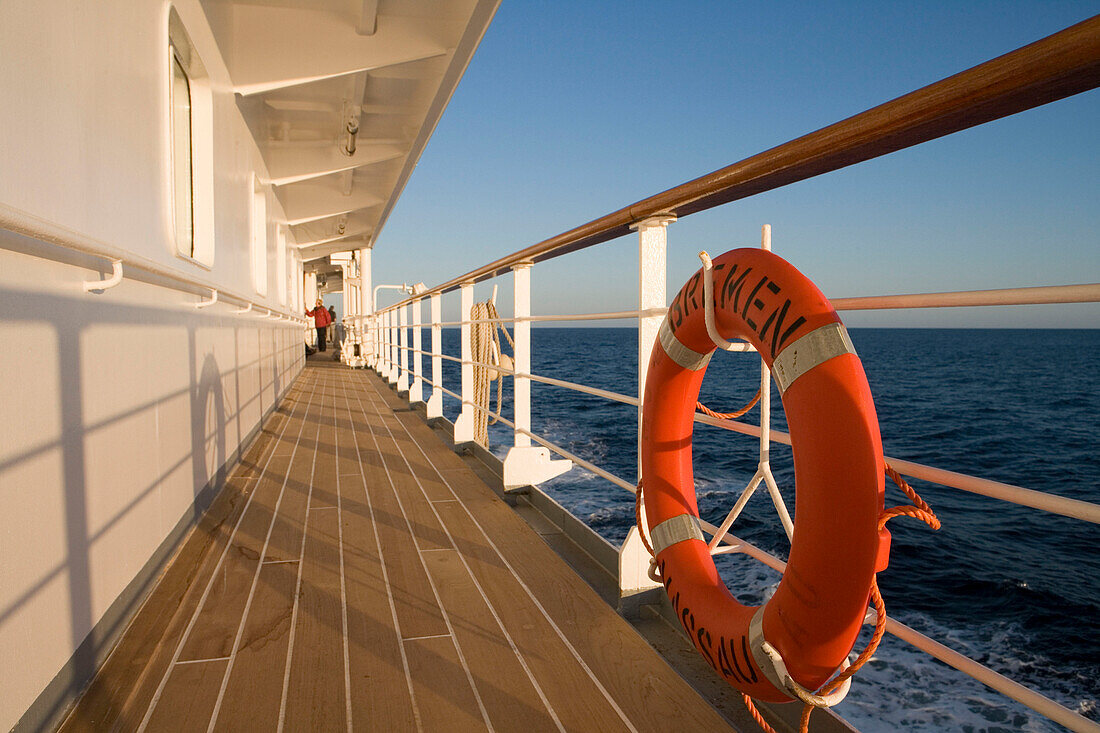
[
  {"x": 425, "y": 526},
  {"x": 255, "y": 454},
  {"x": 443, "y": 694},
  {"x": 417, "y": 611},
  {"x": 217, "y": 624},
  {"x": 188, "y": 698},
  {"x": 285, "y": 541},
  {"x": 251, "y": 701},
  {"x": 347, "y": 460},
  {"x": 121, "y": 691},
  {"x": 216, "y": 629},
  {"x": 380, "y": 687},
  {"x": 317, "y": 700},
  {"x": 324, "y": 472},
  {"x": 572, "y": 694},
  {"x": 510, "y": 698}
]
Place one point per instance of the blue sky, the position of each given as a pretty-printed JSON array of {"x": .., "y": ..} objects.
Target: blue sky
[{"x": 571, "y": 110}]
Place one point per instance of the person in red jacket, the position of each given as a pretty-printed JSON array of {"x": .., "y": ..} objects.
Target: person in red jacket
[{"x": 321, "y": 319}]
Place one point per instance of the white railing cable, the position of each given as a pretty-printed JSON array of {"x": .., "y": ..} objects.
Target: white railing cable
[
  {"x": 614, "y": 396},
  {"x": 1074, "y": 508}
]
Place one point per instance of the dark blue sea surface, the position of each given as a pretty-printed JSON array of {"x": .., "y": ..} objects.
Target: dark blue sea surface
[{"x": 1015, "y": 588}]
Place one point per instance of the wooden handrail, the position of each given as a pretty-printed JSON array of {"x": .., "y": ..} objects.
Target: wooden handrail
[{"x": 1058, "y": 66}]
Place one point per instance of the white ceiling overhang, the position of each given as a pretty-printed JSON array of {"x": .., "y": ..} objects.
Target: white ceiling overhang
[{"x": 307, "y": 71}]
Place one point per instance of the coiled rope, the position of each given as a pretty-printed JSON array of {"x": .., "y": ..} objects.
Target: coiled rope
[{"x": 485, "y": 348}]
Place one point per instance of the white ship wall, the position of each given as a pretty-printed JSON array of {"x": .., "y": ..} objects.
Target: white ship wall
[{"x": 121, "y": 411}]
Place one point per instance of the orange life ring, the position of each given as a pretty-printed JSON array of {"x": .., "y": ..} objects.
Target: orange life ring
[{"x": 814, "y": 616}]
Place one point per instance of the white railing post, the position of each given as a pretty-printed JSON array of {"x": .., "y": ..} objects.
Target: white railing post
[
  {"x": 374, "y": 322},
  {"x": 403, "y": 344},
  {"x": 416, "y": 390},
  {"x": 384, "y": 345},
  {"x": 366, "y": 306},
  {"x": 464, "y": 425},
  {"x": 380, "y": 343},
  {"x": 525, "y": 464},
  {"x": 391, "y": 316},
  {"x": 635, "y": 585},
  {"x": 435, "y": 402},
  {"x": 521, "y": 333}
]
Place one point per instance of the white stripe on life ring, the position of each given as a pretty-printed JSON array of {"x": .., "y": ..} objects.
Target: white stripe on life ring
[
  {"x": 682, "y": 355},
  {"x": 675, "y": 529},
  {"x": 816, "y": 347}
]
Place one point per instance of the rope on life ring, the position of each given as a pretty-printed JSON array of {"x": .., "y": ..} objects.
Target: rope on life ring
[{"x": 792, "y": 647}]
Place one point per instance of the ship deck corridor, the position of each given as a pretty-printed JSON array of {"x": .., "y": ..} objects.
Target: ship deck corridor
[{"x": 356, "y": 573}]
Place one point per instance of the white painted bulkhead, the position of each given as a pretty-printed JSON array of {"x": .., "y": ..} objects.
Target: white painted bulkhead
[{"x": 117, "y": 409}]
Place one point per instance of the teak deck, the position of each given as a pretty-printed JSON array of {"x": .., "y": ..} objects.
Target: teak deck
[{"x": 355, "y": 573}]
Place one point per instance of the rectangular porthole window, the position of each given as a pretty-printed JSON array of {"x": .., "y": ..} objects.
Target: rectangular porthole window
[
  {"x": 189, "y": 148},
  {"x": 280, "y": 263},
  {"x": 182, "y": 177},
  {"x": 259, "y": 237}
]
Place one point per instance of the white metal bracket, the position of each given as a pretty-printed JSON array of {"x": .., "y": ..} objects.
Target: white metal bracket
[
  {"x": 247, "y": 309},
  {"x": 98, "y": 286},
  {"x": 208, "y": 303},
  {"x": 530, "y": 465},
  {"x": 636, "y": 587}
]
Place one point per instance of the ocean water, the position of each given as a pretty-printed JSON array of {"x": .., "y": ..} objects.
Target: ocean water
[{"x": 1015, "y": 588}]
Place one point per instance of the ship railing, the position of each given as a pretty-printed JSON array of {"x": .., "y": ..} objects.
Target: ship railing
[
  {"x": 1058, "y": 66},
  {"x": 401, "y": 364}
]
